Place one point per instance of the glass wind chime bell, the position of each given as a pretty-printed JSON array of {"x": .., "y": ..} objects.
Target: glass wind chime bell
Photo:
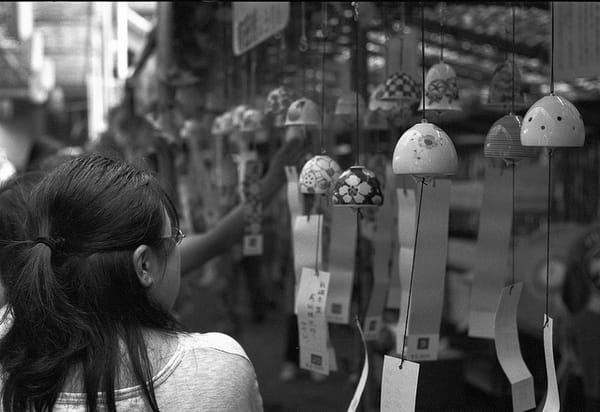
[
  {"x": 277, "y": 104},
  {"x": 425, "y": 150},
  {"x": 501, "y": 88},
  {"x": 358, "y": 186},
  {"x": 320, "y": 172},
  {"x": 302, "y": 112}
]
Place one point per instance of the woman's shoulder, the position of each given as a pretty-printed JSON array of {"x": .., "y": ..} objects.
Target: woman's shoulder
[{"x": 213, "y": 340}]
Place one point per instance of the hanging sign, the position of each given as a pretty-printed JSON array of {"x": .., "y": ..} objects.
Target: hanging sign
[
  {"x": 425, "y": 312},
  {"x": 342, "y": 251},
  {"x": 312, "y": 324},
  {"x": 305, "y": 233},
  {"x": 399, "y": 385},
  {"x": 256, "y": 21},
  {"x": 508, "y": 351},
  {"x": 576, "y": 39},
  {"x": 493, "y": 244}
]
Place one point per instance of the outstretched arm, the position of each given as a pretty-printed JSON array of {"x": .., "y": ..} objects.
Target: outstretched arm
[{"x": 197, "y": 249}]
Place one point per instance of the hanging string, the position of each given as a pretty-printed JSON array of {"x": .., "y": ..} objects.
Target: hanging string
[
  {"x": 423, "y": 58},
  {"x": 324, "y": 34},
  {"x": 357, "y": 74},
  {"x": 513, "y": 59},
  {"x": 512, "y": 229},
  {"x": 303, "y": 46},
  {"x": 319, "y": 221},
  {"x": 412, "y": 272},
  {"x": 552, "y": 47},
  {"x": 548, "y": 215},
  {"x": 442, "y": 15}
]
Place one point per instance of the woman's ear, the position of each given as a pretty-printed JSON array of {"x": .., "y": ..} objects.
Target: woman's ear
[{"x": 142, "y": 261}]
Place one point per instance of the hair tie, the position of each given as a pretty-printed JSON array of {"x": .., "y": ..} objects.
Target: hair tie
[{"x": 46, "y": 241}]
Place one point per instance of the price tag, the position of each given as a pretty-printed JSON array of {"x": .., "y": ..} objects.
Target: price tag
[{"x": 312, "y": 323}]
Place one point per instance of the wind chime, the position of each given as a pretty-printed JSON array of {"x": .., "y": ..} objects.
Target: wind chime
[
  {"x": 551, "y": 122},
  {"x": 441, "y": 86},
  {"x": 358, "y": 186},
  {"x": 424, "y": 151}
]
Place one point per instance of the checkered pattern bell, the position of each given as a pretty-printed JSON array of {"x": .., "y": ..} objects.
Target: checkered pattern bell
[{"x": 400, "y": 86}]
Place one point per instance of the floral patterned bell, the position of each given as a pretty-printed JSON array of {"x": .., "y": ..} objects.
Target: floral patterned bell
[
  {"x": 503, "y": 141},
  {"x": 277, "y": 104},
  {"x": 318, "y": 175},
  {"x": 441, "y": 89},
  {"x": 553, "y": 121},
  {"x": 357, "y": 187},
  {"x": 501, "y": 88},
  {"x": 217, "y": 128},
  {"x": 400, "y": 87},
  {"x": 302, "y": 112},
  {"x": 237, "y": 115},
  {"x": 424, "y": 150},
  {"x": 252, "y": 126},
  {"x": 227, "y": 122}
]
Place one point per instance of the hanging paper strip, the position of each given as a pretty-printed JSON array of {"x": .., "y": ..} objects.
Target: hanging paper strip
[
  {"x": 312, "y": 323},
  {"x": 407, "y": 214},
  {"x": 293, "y": 193},
  {"x": 364, "y": 374},
  {"x": 384, "y": 247},
  {"x": 342, "y": 249},
  {"x": 506, "y": 340},
  {"x": 253, "y": 211},
  {"x": 427, "y": 299},
  {"x": 552, "y": 402},
  {"x": 399, "y": 385},
  {"x": 306, "y": 230},
  {"x": 493, "y": 244}
]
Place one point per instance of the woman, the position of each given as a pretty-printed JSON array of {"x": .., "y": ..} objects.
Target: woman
[{"x": 91, "y": 291}]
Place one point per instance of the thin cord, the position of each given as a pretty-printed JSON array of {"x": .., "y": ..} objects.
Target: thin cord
[
  {"x": 549, "y": 208},
  {"x": 552, "y": 47},
  {"x": 357, "y": 64},
  {"x": 412, "y": 272},
  {"x": 319, "y": 220},
  {"x": 423, "y": 58},
  {"x": 512, "y": 229},
  {"x": 442, "y": 7},
  {"x": 303, "y": 46},
  {"x": 513, "y": 59},
  {"x": 324, "y": 40}
]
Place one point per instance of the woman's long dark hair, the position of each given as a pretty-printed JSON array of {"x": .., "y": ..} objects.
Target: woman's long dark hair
[{"x": 76, "y": 296}]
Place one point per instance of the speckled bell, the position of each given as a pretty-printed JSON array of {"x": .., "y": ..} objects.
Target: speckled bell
[
  {"x": 237, "y": 115},
  {"x": 302, "y": 112},
  {"x": 376, "y": 102},
  {"x": 501, "y": 88},
  {"x": 376, "y": 120},
  {"x": 441, "y": 89},
  {"x": 318, "y": 175},
  {"x": 553, "y": 121},
  {"x": 357, "y": 187},
  {"x": 346, "y": 105},
  {"x": 503, "y": 140},
  {"x": 424, "y": 150},
  {"x": 277, "y": 104},
  {"x": 400, "y": 87}
]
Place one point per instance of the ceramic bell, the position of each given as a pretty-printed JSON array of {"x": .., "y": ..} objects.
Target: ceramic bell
[
  {"x": 552, "y": 121},
  {"x": 302, "y": 112},
  {"x": 251, "y": 121},
  {"x": 377, "y": 103},
  {"x": 318, "y": 175},
  {"x": 236, "y": 116},
  {"x": 400, "y": 87},
  {"x": 346, "y": 105},
  {"x": 277, "y": 104},
  {"x": 501, "y": 88},
  {"x": 441, "y": 89},
  {"x": 503, "y": 141},
  {"x": 375, "y": 120},
  {"x": 424, "y": 150},
  {"x": 357, "y": 187}
]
